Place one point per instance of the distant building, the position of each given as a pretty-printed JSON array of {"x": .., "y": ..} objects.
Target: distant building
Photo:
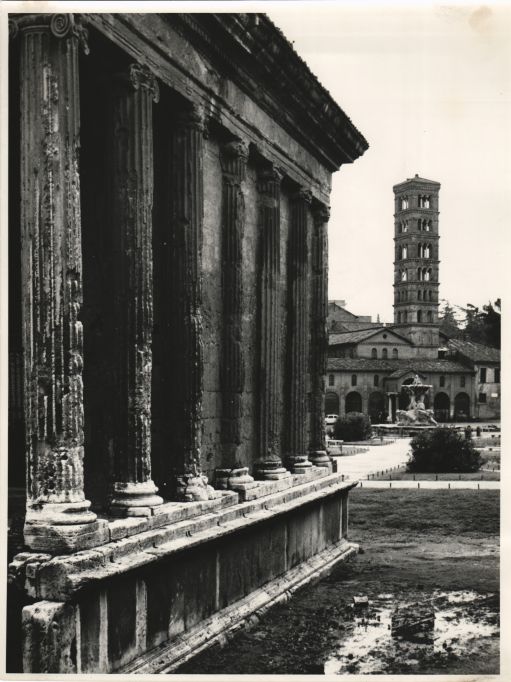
[
  {"x": 341, "y": 320},
  {"x": 369, "y": 362}
]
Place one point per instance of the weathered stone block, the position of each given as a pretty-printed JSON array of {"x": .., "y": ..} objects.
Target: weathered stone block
[
  {"x": 303, "y": 535},
  {"x": 49, "y": 638},
  {"x": 257, "y": 556},
  {"x": 93, "y": 631},
  {"x": 122, "y": 620},
  {"x": 66, "y": 539}
]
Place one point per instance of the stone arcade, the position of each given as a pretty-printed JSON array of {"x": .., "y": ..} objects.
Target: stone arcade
[{"x": 169, "y": 190}]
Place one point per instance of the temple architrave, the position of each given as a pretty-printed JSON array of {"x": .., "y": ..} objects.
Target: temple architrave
[{"x": 168, "y": 208}]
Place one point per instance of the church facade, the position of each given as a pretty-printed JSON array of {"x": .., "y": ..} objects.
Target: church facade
[{"x": 369, "y": 363}]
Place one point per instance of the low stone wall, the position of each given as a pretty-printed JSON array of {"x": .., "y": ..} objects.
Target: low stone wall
[{"x": 148, "y": 600}]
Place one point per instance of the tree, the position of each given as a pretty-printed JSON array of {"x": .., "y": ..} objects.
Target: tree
[
  {"x": 483, "y": 326},
  {"x": 352, "y": 427},
  {"x": 448, "y": 324},
  {"x": 443, "y": 450}
]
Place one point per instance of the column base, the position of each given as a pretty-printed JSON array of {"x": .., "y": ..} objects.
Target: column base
[
  {"x": 134, "y": 499},
  {"x": 320, "y": 458},
  {"x": 64, "y": 539},
  {"x": 299, "y": 464},
  {"x": 59, "y": 513},
  {"x": 222, "y": 479},
  {"x": 240, "y": 479},
  {"x": 195, "y": 488},
  {"x": 270, "y": 470}
]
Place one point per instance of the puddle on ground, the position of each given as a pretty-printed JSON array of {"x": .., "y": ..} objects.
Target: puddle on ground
[{"x": 389, "y": 631}]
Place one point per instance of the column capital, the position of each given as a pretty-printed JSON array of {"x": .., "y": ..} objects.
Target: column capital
[
  {"x": 59, "y": 25},
  {"x": 321, "y": 212},
  {"x": 139, "y": 77},
  {"x": 233, "y": 160},
  {"x": 237, "y": 149},
  {"x": 269, "y": 178},
  {"x": 13, "y": 29},
  {"x": 302, "y": 194},
  {"x": 193, "y": 117}
]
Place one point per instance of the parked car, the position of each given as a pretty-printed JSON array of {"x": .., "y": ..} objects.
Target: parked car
[{"x": 330, "y": 419}]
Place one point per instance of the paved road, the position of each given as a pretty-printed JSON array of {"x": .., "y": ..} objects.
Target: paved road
[
  {"x": 380, "y": 458},
  {"x": 377, "y": 458}
]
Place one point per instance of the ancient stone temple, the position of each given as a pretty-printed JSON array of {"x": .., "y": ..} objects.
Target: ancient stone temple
[{"x": 168, "y": 207}]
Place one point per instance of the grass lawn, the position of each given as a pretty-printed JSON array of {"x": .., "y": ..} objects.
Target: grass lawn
[
  {"x": 403, "y": 475},
  {"x": 435, "y": 513},
  {"x": 413, "y": 544}
]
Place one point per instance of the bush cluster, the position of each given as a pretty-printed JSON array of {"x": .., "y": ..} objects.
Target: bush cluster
[
  {"x": 352, "y": 427},
  {"x": 443, "y": 450}
]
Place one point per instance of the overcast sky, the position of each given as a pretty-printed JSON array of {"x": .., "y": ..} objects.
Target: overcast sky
[{"x": 429, "y": 88}]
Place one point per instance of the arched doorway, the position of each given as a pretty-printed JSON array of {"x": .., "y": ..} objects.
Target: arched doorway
[
  {"x": 331, "y": 403},
  {"x": 461, "y": 407},
  {"x": 441, "y": 406},
  {"x": 353, "y": 402},
  {"x": 376, "y": 408}
]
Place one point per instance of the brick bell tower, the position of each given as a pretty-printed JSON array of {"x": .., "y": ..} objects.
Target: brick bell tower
[{"x": 416, "y": 262}]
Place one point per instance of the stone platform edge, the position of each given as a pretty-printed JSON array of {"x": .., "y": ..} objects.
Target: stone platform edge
[
  {"x": 242, "y": 615},
  {"x": 45, "y": 577}
]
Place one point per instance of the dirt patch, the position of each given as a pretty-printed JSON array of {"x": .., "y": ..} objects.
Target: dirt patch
[
  {"x": 452, "y": 562},
  {"x": 439, "y": 629}
]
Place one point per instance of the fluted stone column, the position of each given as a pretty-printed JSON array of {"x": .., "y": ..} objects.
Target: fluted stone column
[
  {"x": 58, "y": 518},
  {"x": 233, "y": 159},
  {"x": 131, "y": 200},
  {"x": 185, "y": 301},
  {"x": 269, "y": 466},
  {"x": 319, "y": 334},
  {"x": 298, "y": 333}
]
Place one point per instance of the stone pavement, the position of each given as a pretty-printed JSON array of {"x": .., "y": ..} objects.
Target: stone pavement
[
  {"x": 381, "y": 458},
  {"x": 377, "y": 458}
]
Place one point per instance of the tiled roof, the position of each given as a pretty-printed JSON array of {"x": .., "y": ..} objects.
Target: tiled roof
[
  {"x": 417, "y": 179},
  {"x": 360, "y": 335},
  {"x": 351, "y": 337},
  {"x": 476, "y": 352},
  {"x": 412, "y": 365}
]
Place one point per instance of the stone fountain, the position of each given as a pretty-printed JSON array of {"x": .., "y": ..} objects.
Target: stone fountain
[{"x": 416, "y": 412}]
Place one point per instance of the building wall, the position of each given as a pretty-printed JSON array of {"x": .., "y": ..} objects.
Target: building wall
[
  {"x": 365, "y": 386},
  {"x": 489, "y": 408},
  {"x": 404, "y": 350}
]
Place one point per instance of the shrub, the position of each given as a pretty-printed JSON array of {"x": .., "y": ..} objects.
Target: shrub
[
  {"x": 352, "y": 426},
  {"x": 443, "y": 450}
]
